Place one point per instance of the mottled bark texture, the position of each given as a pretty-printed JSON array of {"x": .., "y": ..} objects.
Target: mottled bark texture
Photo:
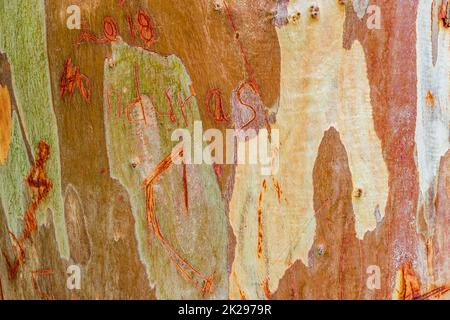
[{"x": 356, "y": 201}]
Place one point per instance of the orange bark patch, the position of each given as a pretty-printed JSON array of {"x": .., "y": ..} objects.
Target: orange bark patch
[
  {"x": 5, "y": 123},
  {"x": 72, "y": 79},
  {"x": 394, "y": 101}
]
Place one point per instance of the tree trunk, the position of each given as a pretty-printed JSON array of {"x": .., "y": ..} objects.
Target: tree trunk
[{"x": 341, "y": 105}]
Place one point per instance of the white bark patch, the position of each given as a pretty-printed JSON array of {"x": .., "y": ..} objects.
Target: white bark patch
[{"x": 322, "y": 85}]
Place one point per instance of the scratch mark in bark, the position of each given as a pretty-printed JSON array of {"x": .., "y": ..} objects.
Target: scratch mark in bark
[
  {"x": 137, "y": 100},
  {"x": 110, "y": 32},
  {"x": 408, "y": 287},
  {"x": 444, "y": 13},
  {"x": 71, "y": 79},
  {"x": 13, "y": 104},
  {"x": 248, "y": 66},
  {"x": 430, "y": 99},
  {"x": 277, "y": 187}
]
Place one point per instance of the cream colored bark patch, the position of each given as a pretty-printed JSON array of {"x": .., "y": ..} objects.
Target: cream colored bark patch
[
  {"x": 322, "y": 85},
  {"x": 5, "y": 124}
]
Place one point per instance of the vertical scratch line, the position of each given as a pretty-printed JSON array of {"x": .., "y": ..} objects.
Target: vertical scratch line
[{"x": 185, "y": 187}]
